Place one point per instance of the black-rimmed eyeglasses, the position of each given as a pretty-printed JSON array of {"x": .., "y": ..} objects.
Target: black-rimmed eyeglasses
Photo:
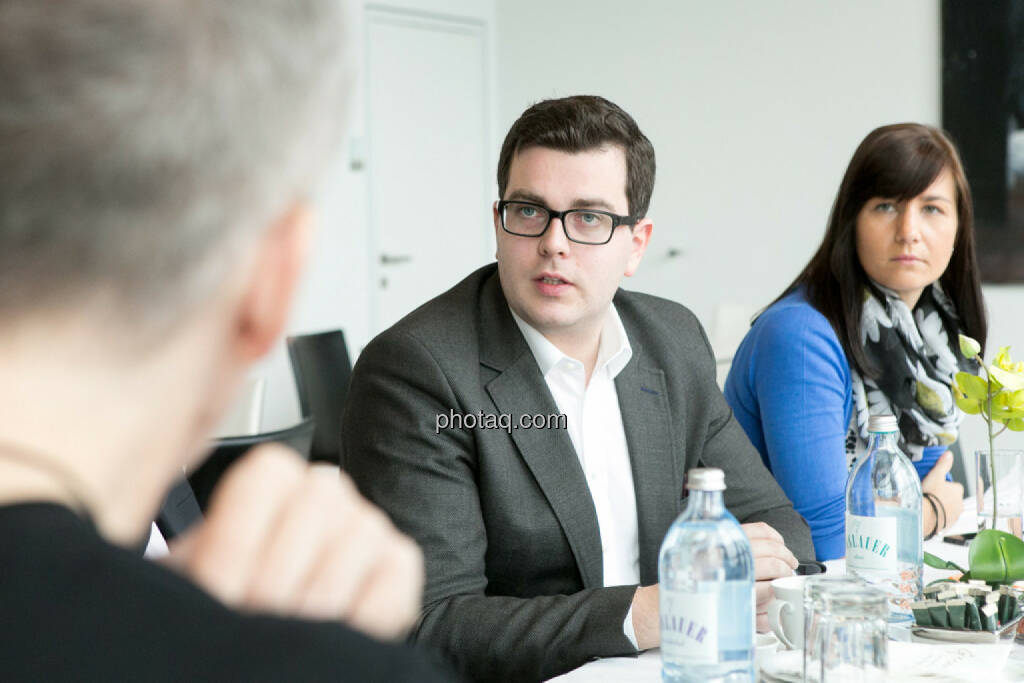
[{"x": 583, "y": 226}]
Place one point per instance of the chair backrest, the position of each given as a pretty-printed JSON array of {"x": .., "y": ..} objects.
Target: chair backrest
[
  {"x": 243, "y": 417},
  {"x": 322, "y": 370},
  {"x": 227, "y": 450},
  {"x": 179, "y": 511},
  {"x": 722, "y": 371},
  {"x": 730, "y": 324}
]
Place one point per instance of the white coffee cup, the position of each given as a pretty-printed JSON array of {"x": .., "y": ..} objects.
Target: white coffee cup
[
  {"x": 786, "y": 611},
  {"x": 765, "y": 646}
]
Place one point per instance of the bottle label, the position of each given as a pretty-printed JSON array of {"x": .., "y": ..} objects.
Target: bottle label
[
  {"x": 871, "y": 543},
  {"x": 689, "y": 626}
]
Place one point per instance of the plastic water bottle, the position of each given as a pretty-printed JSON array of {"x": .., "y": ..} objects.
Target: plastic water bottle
[
  {"x": 883, "y": 519},
  {"x": 706, "y": 589}
]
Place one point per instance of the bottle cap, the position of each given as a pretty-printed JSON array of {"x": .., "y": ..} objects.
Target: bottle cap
[
  {"x": 882, "y": 423},
  {"x": 705, "y": 479}
]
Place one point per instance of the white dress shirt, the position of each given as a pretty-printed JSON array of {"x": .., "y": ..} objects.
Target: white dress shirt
[
  {"x": 594, "y": 422},
  {"x": 156, "y": 547}
]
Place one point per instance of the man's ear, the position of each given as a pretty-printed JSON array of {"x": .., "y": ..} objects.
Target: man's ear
[
  {"x": 267, "y": 297},
  {"x": 497, "y": 227},
  {"x": 640, "y": 237}
]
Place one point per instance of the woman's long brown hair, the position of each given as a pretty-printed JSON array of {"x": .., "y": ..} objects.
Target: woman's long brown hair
[{"x": 896, "y": 162}]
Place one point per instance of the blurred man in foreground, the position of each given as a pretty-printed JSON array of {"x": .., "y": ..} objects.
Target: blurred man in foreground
[{"x": 155, "y": 158}]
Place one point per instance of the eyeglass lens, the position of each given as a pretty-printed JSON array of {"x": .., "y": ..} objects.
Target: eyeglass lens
[{"x": 580, "y": 224}]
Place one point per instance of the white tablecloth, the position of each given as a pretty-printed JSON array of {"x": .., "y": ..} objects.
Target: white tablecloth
[{"x": 1006, "y": 661}]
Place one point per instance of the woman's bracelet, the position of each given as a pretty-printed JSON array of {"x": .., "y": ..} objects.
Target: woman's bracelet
[
  {"x": 942, "y": 510},
  {"x": 939, "y": 508},
  {"x": 940, "y": 518},
  {"x": 935, "y": 515}
]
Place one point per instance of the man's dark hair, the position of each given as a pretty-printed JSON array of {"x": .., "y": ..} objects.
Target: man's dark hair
[
  {"x": 580, "y": 124},
  {"x": 899, "y": 162}
]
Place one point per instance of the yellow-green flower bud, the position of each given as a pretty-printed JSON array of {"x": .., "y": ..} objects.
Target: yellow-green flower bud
[{"x": 969, "y": 347}]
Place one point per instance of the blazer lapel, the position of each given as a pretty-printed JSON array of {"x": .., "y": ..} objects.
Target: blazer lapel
[
  {"x": 657, "y": 479},
  {"x": 518, "y": 389}
]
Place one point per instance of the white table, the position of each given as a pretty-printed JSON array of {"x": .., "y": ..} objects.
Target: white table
[{"x": 647, "y": 667}]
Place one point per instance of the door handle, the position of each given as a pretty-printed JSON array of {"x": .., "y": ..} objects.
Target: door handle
[{"x": 394, "y": 259}]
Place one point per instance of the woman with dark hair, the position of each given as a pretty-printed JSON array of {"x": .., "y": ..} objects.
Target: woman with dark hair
[{"x": 869, "y": 327}]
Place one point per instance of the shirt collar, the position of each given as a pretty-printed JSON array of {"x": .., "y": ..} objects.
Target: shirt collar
[{"x": 613, "y": 353}]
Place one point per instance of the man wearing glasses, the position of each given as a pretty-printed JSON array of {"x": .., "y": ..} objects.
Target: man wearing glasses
[{"x": 535, "y": 539}]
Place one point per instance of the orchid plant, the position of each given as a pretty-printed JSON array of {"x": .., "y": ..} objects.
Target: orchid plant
[
  {"x": 998, "y": 397},
  {"x": 997, "y": 394}
]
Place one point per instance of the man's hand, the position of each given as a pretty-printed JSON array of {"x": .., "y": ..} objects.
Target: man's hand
[
  {"x": 645, "y": 617},
  {"x": 297, "y": 540},
  {"x": 772, "y": 560}
]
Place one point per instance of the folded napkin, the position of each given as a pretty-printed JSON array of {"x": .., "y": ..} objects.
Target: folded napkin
[
  {"x": 947, "y": 662},
  {"x": 920, "y": 663}
]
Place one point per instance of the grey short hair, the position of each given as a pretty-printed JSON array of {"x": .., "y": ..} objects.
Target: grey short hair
[{"x": 144, "y": 142}]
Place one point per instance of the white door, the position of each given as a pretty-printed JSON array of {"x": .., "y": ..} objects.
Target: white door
[{"x": 428, "y": 158}]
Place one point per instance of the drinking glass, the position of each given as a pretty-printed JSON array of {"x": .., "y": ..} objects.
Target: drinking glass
[
  {"x": 845, "y": 623},
  {"x": 1006, "y": 495}
]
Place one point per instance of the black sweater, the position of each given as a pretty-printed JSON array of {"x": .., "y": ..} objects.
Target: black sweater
[{"x": 74, "y": 607}]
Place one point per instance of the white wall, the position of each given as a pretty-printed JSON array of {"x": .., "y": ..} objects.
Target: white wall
[
  {"x": 336, "y": 288},
  {"x": 754, "y": 109}
]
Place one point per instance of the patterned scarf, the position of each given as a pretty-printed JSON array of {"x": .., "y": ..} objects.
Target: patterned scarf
[{"x": 917, "y": 360}]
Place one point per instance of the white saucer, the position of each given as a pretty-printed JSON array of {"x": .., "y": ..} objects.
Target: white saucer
[{"x": 784, "y": 666}]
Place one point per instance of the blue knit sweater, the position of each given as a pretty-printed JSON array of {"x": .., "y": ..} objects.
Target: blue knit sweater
[{"x": 789, "y": 386}]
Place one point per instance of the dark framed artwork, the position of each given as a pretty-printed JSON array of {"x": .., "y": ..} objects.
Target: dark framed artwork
[{"x": 983, "y": 110}]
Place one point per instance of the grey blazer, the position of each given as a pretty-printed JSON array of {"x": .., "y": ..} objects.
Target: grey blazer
[{"x": 514, "y": 586}]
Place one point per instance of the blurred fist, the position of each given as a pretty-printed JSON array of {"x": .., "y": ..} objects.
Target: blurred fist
[{"x": 296, "y": 540}]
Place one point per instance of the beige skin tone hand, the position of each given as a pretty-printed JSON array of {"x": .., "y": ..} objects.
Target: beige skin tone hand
[
  {"x": 297, "y": 540},
  {"x": 772, "y": 559},
  {"x": 949, "y": 493}
]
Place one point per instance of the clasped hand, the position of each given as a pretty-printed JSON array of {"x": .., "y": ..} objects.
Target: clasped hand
[
  {"x": 285, "y": 537},
  {"x": 772, "y": 559}
]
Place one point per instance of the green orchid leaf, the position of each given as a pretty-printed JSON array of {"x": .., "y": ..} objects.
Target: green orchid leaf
[
  {"x": 1005, "y": 414},
  {"x": 996, "y": 557},
  {"x": 972, "y": 386},
  {"x": 968, "y": 405},
  {"x": 1012, "y": 402},
  {"x": 1011, "y": 380},
  {"x": 939, "y": 563},
  {"x": 969, "y": 347}
]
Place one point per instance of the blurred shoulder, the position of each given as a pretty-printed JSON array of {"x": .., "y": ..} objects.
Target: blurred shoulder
[
  {"x": 667, "y": 331},
  {"x": 655, "y": 312}
]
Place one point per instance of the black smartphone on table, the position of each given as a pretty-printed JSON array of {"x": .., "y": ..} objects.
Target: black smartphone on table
[
  {"x": 808, "y": 567},
  {"x": 960, "y": 539}
]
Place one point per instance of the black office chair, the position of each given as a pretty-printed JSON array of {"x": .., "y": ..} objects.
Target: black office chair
[
  {"x": 227, "y": 450},
  {"x": 179, "y": 511},
  {"x": 322, "y": 371}
]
